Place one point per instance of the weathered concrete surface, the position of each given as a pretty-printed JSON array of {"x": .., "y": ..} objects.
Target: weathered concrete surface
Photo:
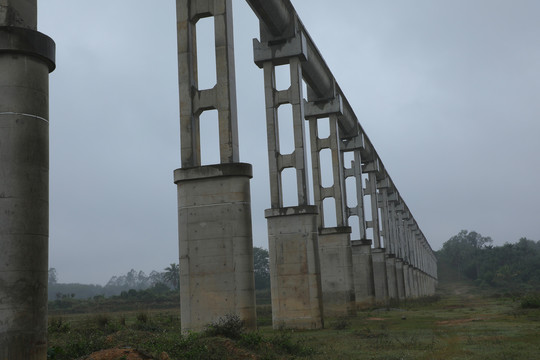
[
  {"x": 19, "y": 13},
  {"x": 216, "y": 248},
  {"x": 391, "y": 276},
  {"x": 380, "y": 277},
  {"x": 24, "y": 182},
  {"x": 295, "y": 268},
  {"x": 222, "y": 97},
  {"x": 337, "y": 272},
  {"x": 400, "y": 280},
  {"x": 363, "y": 273}
]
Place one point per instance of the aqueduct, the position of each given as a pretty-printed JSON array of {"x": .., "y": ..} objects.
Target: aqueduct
[{"x": 316, "y": 270}]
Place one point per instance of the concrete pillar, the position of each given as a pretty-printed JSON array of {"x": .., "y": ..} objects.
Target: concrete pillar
[
  {"x": 292, "y": 231},
  {"x": 400, "y": 279},
  {"x": 389, "y": 242},
  {"x": 380, "y": 276},
  {"x": 391, "y": 276},
  {"x": 407, "y": 280},
  {"x": 334, "y": 242},
  {"x": 378, "y": 253},
  {"x": 26, "y": 59},
  {"x": 214, "y": 206},
  {"x": 294, "y": 268},
  {"x": 221, "y": 97},
  {"x": 335, "y": 254},
  {"x": 364, "y": 286},
  {"x": 216, "y": 250},
  {"x": 361, "y": 249}
]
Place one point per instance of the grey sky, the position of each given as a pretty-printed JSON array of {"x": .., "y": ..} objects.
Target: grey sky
[{"x": 448, "y": 92}]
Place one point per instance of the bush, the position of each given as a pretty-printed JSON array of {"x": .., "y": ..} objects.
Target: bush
[
  {"x": 229, "y": 326},
  {"x": 284, "y": 341},
  {"x": 58, "y": 325},
  {"x": 530, "y": 301},
  {"x": 102, "y": 320}
]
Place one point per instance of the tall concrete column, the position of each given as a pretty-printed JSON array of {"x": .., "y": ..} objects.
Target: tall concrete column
[
  {"x": 295, "y": 271},
  {"x": 400, "y": 262},
  {"x": 214, "y": 206},
  {"x": 378, "y": 253},
  {"x": 383, "y": 203},
  {"x": 362, "y": 261},
  {"x": 26, "y": 59},
  {"x": 335, "y": 250}
]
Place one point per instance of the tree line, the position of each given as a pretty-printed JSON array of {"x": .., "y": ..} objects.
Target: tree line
[
  {"x": 134, "y": 281},
  {"x": 513, "y": 266}
]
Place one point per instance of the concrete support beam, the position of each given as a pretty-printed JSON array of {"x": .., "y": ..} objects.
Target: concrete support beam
[
  {"x": 216, "y": 249},
  {"x": 334, "y": 243},
  {"x": 295, "y": 268},
  {"x": 355, "y": 145},
  {"x": 26, "y": 58},
  {"x": 277, "y": 161},
  {"x": 222, "y": 97}
]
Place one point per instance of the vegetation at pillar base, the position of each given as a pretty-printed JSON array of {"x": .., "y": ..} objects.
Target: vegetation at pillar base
[
  {"x": 514, "y": 267},
  {"x": 462, "y": 322}
]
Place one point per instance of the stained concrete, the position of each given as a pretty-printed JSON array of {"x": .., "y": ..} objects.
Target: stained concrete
[
  {"x": 380, "y": 276},
  {"x": 391, "y": 276},
  {"x": 337, "y": 272},
  {"x": 216, "y": 248},
  {"x": 24, "y": 181},
  {"x": 295, "y": 268},
  {"x": 364, "y": 287},
  {"x": 400, "y": 280}
]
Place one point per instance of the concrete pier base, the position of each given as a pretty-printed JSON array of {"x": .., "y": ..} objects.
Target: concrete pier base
[
  {"x": 380, "y": 277},
  {"x": 215, "y": 240},
  {"x": 295, "y": 274},
  {"x": 407, "y": 280},
  {"x": 391, "y": 276},
  {"x": 414, "y": 281},
  {"x": 337, "y": 272},
  {"x": 364, "y": 287},
  {"x": 400, "y": 279}
]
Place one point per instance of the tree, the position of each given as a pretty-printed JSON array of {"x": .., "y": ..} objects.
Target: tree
[
  {"x": 172, "y": 275},
  {"x": 261, "y": 268},
  {"x": 53, "y": 277},
  {"x": 463, "y": 251}
]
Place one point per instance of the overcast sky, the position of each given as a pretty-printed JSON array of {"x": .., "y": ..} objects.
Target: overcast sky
[{"x": 447, "y": 91}]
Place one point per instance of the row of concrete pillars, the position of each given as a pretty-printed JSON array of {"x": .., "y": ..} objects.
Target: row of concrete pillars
[{"x": 316, "y": 271}]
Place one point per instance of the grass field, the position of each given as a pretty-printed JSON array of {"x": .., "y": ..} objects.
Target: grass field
[{"x": 459, "y": 323}]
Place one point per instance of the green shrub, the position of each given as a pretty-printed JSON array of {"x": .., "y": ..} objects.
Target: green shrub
[
  {"x": 283, "y": 340},
  {"x": 102, "y": 320},
  {"x": 58, "y": 325},
  {"x": 142, "y": 317},
  {"x": 251, "y": 340},
  {"x": 342, "y": 323},
  {"x": 530, "y": 301},
  {"x": 229, "y": 326}
]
